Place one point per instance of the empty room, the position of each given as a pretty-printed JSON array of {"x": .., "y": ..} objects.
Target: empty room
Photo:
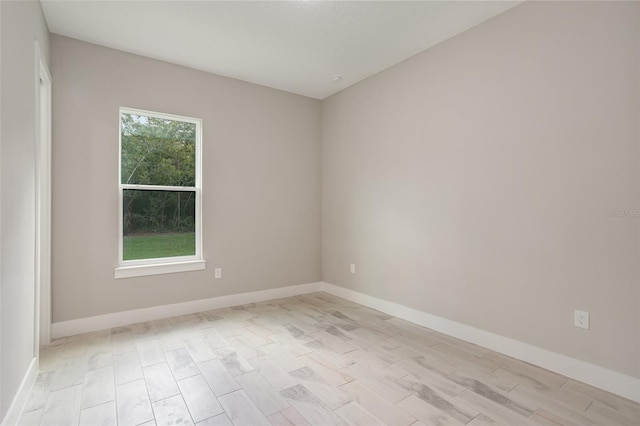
[{"x": 308, "y": 213}]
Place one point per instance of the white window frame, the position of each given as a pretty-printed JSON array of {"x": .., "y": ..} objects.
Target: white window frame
[{"x": 164, "y": 265}]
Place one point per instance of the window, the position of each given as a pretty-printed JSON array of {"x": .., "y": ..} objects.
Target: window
[{"x": 159, "y": 193}]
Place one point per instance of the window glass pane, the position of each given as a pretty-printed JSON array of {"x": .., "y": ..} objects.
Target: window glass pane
[
  {"x": 158, "y": 224},
  {"x": 157, "y": 151}
]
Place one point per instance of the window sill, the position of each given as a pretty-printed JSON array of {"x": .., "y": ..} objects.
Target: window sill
[{"x": 159, "y": 268}]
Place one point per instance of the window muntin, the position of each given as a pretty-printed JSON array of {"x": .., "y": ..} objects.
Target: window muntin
[{"x": 160, "y": 188}]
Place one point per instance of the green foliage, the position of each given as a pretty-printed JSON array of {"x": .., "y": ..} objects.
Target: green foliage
[
  {"x": 158, "y": 211},
  {"x": 159, "y": 245},
  {"x": 157, "y": 151}
]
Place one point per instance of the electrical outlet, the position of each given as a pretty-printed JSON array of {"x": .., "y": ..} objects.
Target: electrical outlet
[
  {"x": 218, "y": 273},
  {"x": 353, "y": 268},
  {"x": 581, "y": 319}
]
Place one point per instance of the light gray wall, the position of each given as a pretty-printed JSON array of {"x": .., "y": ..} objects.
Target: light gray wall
[
  {"x": 261, "y": 180},
  {"x": 21, "y": 23},
  {"x": 472, "y": 181}
]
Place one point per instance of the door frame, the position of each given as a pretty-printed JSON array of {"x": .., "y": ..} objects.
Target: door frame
[{"x": 42, "y": 295}]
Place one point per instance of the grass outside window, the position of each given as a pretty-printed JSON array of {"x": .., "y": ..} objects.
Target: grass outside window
[{"x": 154, "y": 246}]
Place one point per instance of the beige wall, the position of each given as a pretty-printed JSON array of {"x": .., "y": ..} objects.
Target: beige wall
[
  {"x": 21, "y": 24},
  {"x": 261, "y": 180},
  {"x": 472, "y": 180}
]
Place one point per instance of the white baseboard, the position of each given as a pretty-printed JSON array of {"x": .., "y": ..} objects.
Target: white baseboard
[
  {"x": 117, "y": 319},
  {"x": 609, "y": 380},
  {"x": 15, "y": 409}
]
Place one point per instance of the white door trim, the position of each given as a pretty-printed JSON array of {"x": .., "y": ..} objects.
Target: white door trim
[{"x": 42, "y": 320}]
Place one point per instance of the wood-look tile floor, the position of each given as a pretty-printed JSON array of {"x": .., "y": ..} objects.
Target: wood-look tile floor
[{"x": 307, "y": 360}]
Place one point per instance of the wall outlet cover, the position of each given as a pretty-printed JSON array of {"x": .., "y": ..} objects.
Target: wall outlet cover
[{"x": 581, "y": 319}]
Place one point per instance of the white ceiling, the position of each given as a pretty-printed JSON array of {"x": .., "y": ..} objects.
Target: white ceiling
[{"x": 297, "y": 46}]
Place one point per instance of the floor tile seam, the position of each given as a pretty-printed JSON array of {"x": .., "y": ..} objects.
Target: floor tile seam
[
  {"x": 565, "y": 406},
  {"x": 168, "y": 396},
  {"x": 96, "y": 405},
  {"x": 65, "y": 387}
]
